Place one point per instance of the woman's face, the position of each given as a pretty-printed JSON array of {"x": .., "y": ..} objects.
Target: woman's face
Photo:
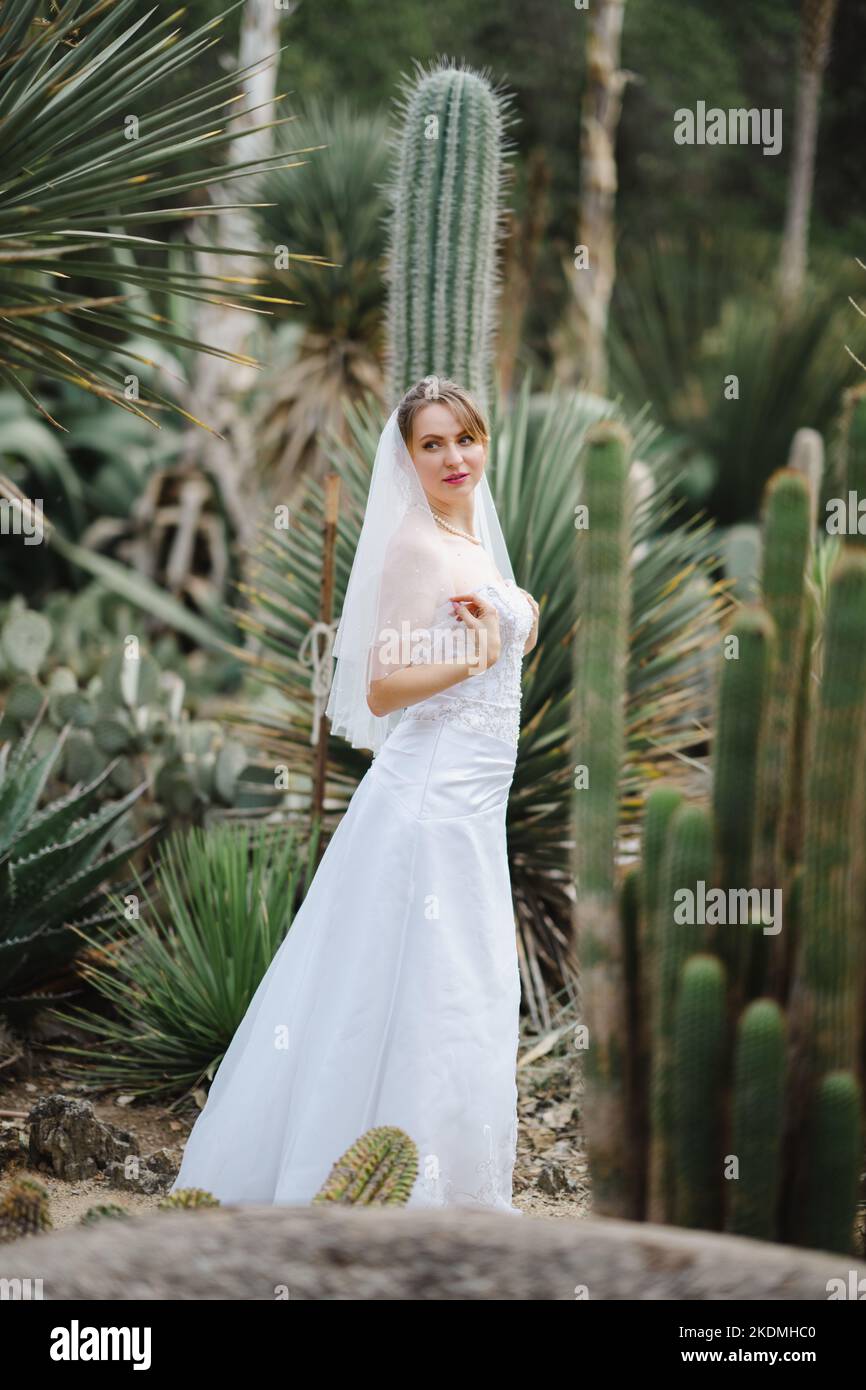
[{"x": 448, "y": 461}]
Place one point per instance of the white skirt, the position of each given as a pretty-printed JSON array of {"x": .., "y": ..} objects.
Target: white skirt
[{"x": 394, "y": 997}]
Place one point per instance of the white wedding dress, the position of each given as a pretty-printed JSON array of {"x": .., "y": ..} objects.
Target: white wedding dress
[{"x": 394, "y": 997}]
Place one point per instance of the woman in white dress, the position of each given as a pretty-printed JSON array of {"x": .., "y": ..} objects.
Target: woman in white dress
[{"x": 394, "y": 998}]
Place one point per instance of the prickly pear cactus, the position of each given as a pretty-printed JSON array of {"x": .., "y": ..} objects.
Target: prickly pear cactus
[
  {"x": 24, "y": 1210},
  {"x": 379, "y": 1169}
]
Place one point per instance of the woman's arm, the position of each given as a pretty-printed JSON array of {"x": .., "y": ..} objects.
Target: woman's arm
[{"x": 410, "y": 684}]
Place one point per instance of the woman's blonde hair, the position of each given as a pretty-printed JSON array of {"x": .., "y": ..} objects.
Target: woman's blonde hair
[{"x": 435, "y": 388}]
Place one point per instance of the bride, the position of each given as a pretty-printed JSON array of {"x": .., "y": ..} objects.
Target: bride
[{"x": 394, "y": 997}]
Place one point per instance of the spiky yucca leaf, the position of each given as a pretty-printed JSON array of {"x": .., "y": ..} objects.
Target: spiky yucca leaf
[
  {"x": 87, "y": 146},
  {"x": 53, "y": 869},
  {"x": 221, "y": 895}
]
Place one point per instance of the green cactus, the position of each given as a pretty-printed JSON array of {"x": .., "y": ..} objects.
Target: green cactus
[
  {"x": 26, "y": 638},
  {"x": 24, "y": 1210},
  {"x": 188, "y": 1198},
  {"x": 830, "y": 965},
  {"x": 742, "y": 556},
  {"x": 855, "y": 448},
  {"x": 786, "y": 556},
  {"x": 700, "y": 1046},
  {"x": 24, "y": 700},
  {"x": 756, "y": 1128},
  {"x": 600, "y": 652},
  {"x": 444, "y": 229},
  {"x": 105, "y": 1211},
  {"x": 686, "y": 860},
  {"x": 53, "y": 870},
  {"x": 743, "y": 690},
  {"x": 379, "y": 1169},
  {"x": 834, "y": 1153}
]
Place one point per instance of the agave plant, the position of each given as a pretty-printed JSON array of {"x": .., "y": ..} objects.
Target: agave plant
[
  {"x": 676, "y": 608},
  {"x": 334, "y": 202},
  {"x": 181, "y": 970},
  {"x": 80, "y": 176},
  {"x": 53, "y": 872},
  {"x": 697, "y": 332}
]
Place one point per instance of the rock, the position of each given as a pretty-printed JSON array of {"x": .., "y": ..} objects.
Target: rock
[
  {"x": 268, "y": 1253},
  {"x": 146, "y": 1176},
  {"x": 553, "y": 1179},
  {"x": 165, "y": 1162},
  {"x": 13, "y": 1143},
  {"x": 67, "y": 1138}
]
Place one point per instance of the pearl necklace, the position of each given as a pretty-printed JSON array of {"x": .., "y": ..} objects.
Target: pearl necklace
[{"x": 446, "y": 526}]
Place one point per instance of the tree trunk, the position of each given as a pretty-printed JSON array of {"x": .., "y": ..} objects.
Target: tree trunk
[
  {"x": 580, "y": 346},
  {"x": 816, "y": 24}
]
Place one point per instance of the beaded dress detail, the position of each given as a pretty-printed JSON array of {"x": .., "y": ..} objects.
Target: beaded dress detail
[{"x": 489, "y": 703}]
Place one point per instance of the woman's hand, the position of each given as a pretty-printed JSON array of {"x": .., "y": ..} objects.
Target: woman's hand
[
  {"x": 482, "y": 618},
  {"x": 533, "y": 634}
]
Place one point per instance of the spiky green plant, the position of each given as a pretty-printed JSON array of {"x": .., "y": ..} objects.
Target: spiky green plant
[
  {"x": 756, "y": 1125},
  {"x": 600, "y": 654},
  {"x": 700, "y": 1046},
  {"x": 24, "y": 1210},
  {"x": 796, "y": 1108},
  {"x": 188, "y": 1199},
  {"x": 105, "y": 1211},
  {"x": 379, "y": 1169},
  {"x": 54, "y": 872},
  {"x": 787, "y": 530},
  {"x": 89, "y": 149},
  {"x": 225, "y": 895},
  {"x": 691, "y": 313},
  {"x": 678, "y": 858},
  {"x": 834, "y": 1159},
  {"x": 445, "y": 224}
]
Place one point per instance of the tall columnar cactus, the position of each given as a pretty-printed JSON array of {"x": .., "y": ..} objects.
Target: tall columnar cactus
[
  {"x": 742, "y": 700},
  {"x": 686, "y": 861},
  {"x": 600, "y": 654},
  {"x": 785, "y": 558},
  {"x": 756, "y": 1124},
  {"x": 700, "y": 1047},
  {"x": 830, "y": 969},
  {"x": 787, "y": 1101},
  {"x": 379, "y": 1169},
  {"x": 834, "y": 1152},
  {"x": 831, "y": 959},
  {"x": 855, "y": 455},
  {"x": 444, "y": 229}
]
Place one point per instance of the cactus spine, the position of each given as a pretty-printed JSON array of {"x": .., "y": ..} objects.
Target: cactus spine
[{"x": 379, "y": 1169}]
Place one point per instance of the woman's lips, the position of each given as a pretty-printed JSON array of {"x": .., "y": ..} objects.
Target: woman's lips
[{"x": 456, "y": 478}]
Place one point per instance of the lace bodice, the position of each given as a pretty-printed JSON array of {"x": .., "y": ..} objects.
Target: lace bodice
[{"x": 489, "y": 702}]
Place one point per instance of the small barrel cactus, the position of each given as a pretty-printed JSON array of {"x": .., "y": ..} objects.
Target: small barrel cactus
[
  {"x": 106, "y": 1210},
  {"x": 187, "y": 1197},
  {"x": 24, "y": 1210},
  {"x": 379, "y": 1169}
]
